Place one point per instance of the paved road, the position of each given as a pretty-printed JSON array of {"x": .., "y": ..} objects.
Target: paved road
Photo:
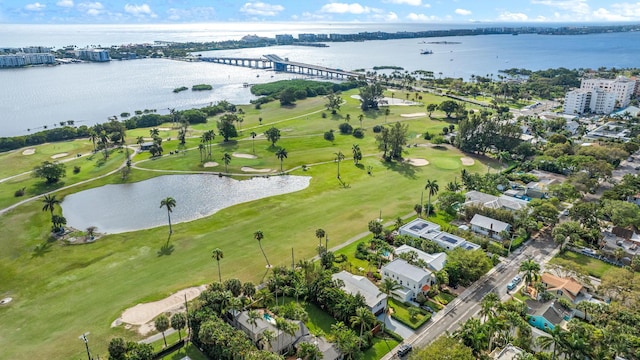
[{"x": 467, "y": 304}]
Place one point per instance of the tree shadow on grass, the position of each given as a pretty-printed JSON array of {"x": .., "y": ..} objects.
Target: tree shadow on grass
[
  {"x": 230, "y": 145},
  {"x": 166, "y": 249},
  {"x": 403, "y": 168},
  {"x": 44, "y": 187},
  {"x": 41, "y": 249}
]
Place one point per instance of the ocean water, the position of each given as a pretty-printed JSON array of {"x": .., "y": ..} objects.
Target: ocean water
[{"x": 90, "y": 93}]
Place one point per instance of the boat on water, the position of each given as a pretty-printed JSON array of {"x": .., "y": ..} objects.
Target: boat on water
[{"x": 426, "y": 52}]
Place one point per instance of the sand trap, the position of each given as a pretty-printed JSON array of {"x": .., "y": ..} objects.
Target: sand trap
[
  {"x": 57, "y": 156},
  {"x": 467, "y": 161},
  {"x": 5, "y": 301},
  {"x": 29, "y": 151},
  {"x": 387, "y": 101},
  {"x": 210, "y": 164},
  {"x": 250, "y": 169},
  {"x": 144, "y": 313},
  {"x": 413, "y": 115},
  {"x": 244, "y": 156},
  {"x": 417, "y": 162},
  {"x": 164, "y": 129}
]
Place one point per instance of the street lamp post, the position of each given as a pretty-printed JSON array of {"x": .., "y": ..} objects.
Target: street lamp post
[{"x": 83, "y": 337}]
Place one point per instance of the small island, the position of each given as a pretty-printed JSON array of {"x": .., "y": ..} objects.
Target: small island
[
  {"x": 201, "y": 87},
  {"x": 181, "y": 88}
]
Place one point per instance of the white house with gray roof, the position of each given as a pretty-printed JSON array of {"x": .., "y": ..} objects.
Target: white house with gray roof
[
  {"x": 355, "y": 284},
  {"x": 488, "y": 226},
  {"x": 412, "y": 279},
  {"x": 435, "y": 262},
  {"x": 502, "y": 202},
  {"x": 423, "y": 229}
]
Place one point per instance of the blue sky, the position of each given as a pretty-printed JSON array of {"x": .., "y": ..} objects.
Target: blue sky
[{"x": 399, "y": 11}]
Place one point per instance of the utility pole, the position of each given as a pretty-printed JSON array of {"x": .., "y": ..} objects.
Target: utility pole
[{"x": 83, "y": 337}]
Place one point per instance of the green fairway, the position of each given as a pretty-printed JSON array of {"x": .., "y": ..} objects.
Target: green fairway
[{"x": 67, "y": 290}]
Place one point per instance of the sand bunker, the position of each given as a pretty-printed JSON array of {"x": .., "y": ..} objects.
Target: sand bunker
[
  {"x": 467, "y": 161},
  {"x": 210, "y": 164},
  {"x": 57, "y": 156},
  {"x": 244, "y": 156},
  {"x": 29, "y": 151},
  {"x": 164, "y": 129},
  {"x": 413, "y": 115},
  {"x": 144, "y": 313},
  {"x": 387, "y": 101},
  {"x": 5, "y": 301},
  {"x": 417, "y": 162},
  {"x": 250, "y": 169}
]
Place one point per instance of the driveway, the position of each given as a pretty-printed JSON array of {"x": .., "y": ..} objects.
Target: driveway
[{"x": 397, "y": 327}]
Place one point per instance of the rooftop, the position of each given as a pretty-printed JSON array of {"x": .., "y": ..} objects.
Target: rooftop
[
  {"x": 436, "y": 261},
  {"x": 399, "y": 266},
  {"x": 354, "y": 284},
  {"x": 489, "y": 223}
]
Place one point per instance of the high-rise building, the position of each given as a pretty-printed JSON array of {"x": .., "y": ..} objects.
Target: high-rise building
[
  {"x": 622, "y": 87},
  {"x": 580, "y": 101}
]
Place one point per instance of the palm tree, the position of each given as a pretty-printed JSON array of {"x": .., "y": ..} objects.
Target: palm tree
[
  {"x": 360, "y": 117},
  {"x": 320, "y": 233},
  {"x": 227, "y": 159},
  {"x": 531, "y": 271},
  {"x": 388, "y": 286},
  {"x": 50, "y": 203},
  {"x": 308, "y": 351},
  {"x": 154, "y": 132},
  {"x": 557, "y": 340},
  {"x": 432, "y": 186},
  {"x": 218, "y": 254},
  {"x": 253, "y": 318},
  {"x": 387, "y": 111},
  {"x": 357, "y": 153},
  {"x": 339, "y": 157},
  {"x": 281, "y": 154},
  {"x": 253, "y": 141},
  {"x": 258, "y": 235},
  {"x": 104, "y": 141},
  {"x": 201, "y": 149},
  {"x": 169, "y": 203},
  {"x": 162, "y": 324},
  {"x": 93, "y": 136},
  {"x": 363, "y": 317},
  {"x": 268, "y": 336},
  {"x": 178, "y": 322},
  {"x": 488, "y": 305},
  {"x": 453, "y": 186}
]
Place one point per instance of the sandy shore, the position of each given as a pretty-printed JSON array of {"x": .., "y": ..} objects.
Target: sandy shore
[
  {"x": 417, "y": 162},
  {"x": 467, "y": 161},
  {"x": 244, "y": 156},
  {"x": 57, "y": 156}
]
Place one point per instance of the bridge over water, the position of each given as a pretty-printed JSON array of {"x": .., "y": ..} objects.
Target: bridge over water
[{"x": 277, "y": 63}]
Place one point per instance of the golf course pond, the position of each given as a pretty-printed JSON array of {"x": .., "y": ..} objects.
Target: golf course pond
[{"x": 129, "y": 207}]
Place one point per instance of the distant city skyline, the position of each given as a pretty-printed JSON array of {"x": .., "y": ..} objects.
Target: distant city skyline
[{"x": 382, "y": 11}]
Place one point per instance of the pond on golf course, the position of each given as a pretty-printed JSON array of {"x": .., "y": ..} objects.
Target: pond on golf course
[{"x": 129, "y": 207}]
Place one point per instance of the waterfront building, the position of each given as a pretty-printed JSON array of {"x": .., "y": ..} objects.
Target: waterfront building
[
  {"x": 284, "y": 39},
  {"x": 99, "y": 55},
  {"x": 22, "y": 59},
  {"x": 307, "y": 37},
  {"x": 622, "y": 87},
  {"x": 597, "y": 101},
  {"x": 36, "y": 50}
]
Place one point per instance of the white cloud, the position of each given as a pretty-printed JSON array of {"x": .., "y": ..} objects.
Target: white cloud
[
  {"x": 509, "y": 16},
  {"x": 342, "y": 8},
  {"x": 405, "y": 2},
  {"x": 463, "y": 12},
  {"x": 138, "y": 10},
  {"x": 196, "y": 13},
  {"x": 421, "y": 17},
  {"x": 35, "y": 7},
  {"x": 574, "y": 6},
  {"x": 310, "y": 16},
  {"x": 388, "y": 17},
  {"x": 65, "y": 3},
  {"x": 90, "y": 5},
  {"x": 619, "y": 12},
  {"x": 261, "y": 9}
]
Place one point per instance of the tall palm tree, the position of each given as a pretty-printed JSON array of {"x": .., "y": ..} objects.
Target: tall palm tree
[
  {"x": 557, "y": 340},
  {"x": 253, "y": 318},
  {"x": 154, "y": 132},
  {"x": 387, "y": 111},
  {"x": 320, "y": 233},
  {"x": 218, "y": 254},
  {"x": 281, "y": 154},
  {"x": 453, "y": 186},
  {"x": 488, "y": 305},
  {"x": 253, "y": 141},
  {"x": 432, "y": 186},
  {"x": 202, "y": 150},
  {"x": 93, "y": 136},
  {"x": 104, "y": 141},
  {"x": 388, "y": 286},
  {"x": 268, "y": 336},
  {"x": 360, "y": 117},
  {"x": 531, "y": 271},
  {"x": 357, "y": 153},
  {"x": 339, "y": 157},
  {"x": 363, "y": 317},
  {"x": 258, "y": 235},
  {"x": 227, "y": 159},
  {"x": 50, "y": 203},
  {"x": 169, "y": 203}
]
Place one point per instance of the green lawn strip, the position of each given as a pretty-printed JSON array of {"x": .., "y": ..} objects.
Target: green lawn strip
[
  {"x": 434, "y": 305},
  {"x": 86, "y": 287},
  {"x": 518, "y": 295},
  {"x": 190, "y": 350},
  {"x": 401, "y": 313},
  {"x": 171, "y": 339},
  {"x": 319, "y": 322},
  {"x": 589, "y": 265},
  {"x": 444, "y": 298},
  {"x": 381, "y": 346},
  {"x": 350, "y": 252}
]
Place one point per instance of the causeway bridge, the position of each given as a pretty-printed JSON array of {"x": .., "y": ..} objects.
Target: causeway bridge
[{"x": 277, "y": 63}]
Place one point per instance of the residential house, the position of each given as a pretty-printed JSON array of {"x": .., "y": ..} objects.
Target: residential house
[
  {"x": 412, "y": 279},
  {"x": 546, "y": 315},
  {"x": 355, "y": 284},
  {"x": 564, "y": 287},
  {"x": 509, "y": 352},
  {"x": 539, "y": 189},
  {"x": 435, "y": 262},
  {"x": 329, "y": 350},
  {"x": 502, "y": 202},
  {"x": 490, "y": 227},
  {"x": 281, "y": 342},
  {"x": 422, "y": 229},
  {"x": 572, "y": 126}
]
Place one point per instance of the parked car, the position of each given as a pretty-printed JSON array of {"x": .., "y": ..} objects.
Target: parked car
[
  {"x": 517, "y": 279},
  {"x": 511, "y": 286},
  {"x": 427, "y": 307},
  {"x": 404, "y": 350}
]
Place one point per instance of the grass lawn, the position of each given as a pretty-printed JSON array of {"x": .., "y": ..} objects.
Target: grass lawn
[
  {"x": 401, "y": 311},
  {"x": 588, "y": 265},
  {"x": 444, "y": 298},
  {"x": 171, "y": 339},
  {"x": 434, "y": 305},
  {"x": 380, "y": 348},
  {"x": 72, "y": 289},
  {"x": 190, "y": 350},
  {"x": 319, "y": 321}
]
